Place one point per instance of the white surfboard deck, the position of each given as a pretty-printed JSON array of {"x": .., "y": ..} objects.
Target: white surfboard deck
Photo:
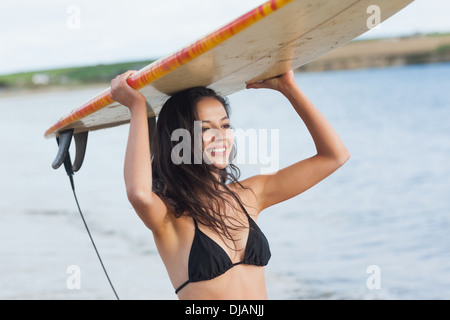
[{"x": 270, "y": 40}]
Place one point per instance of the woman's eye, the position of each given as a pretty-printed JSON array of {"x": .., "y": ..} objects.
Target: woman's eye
[{"x": 225, "y": 126}]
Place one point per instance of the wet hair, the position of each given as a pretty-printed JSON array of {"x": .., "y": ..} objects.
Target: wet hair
[{"x": 192, "y": 188}]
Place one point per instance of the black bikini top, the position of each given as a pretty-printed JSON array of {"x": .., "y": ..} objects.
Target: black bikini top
[{"x": 207, "y": 260}]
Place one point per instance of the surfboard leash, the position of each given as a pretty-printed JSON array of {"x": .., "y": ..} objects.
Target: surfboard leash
[
  {"x": 90, "y": 236},
  {"x": 63, "y": 157}
]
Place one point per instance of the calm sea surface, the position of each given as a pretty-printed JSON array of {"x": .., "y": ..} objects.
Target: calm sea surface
[{"x": 376, "y": 229}]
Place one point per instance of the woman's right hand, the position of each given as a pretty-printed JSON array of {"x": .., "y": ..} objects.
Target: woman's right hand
[{"x": 123, "y": 93}]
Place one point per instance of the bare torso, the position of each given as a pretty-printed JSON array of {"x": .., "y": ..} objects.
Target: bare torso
[{"x": 240, "y": 282}]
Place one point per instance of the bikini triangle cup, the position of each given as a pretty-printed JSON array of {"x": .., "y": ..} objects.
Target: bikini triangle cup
[{"x": 208, "y": 260}]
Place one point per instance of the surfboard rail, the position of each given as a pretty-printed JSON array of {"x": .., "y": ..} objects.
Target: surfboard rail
[
  {"x": 263, "y": 43},
  {"x": 165, "y": 65}
]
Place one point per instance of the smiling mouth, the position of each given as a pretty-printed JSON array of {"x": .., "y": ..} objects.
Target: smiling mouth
[{"x": 217, "y": 151}]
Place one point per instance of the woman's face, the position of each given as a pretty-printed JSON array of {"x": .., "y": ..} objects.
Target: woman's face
[{"x": 218, "y": 138}]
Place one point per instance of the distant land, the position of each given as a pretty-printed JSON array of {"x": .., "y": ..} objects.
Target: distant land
[
  {"x": 66, "y": 77},
  {"x": 377, "y": 53}
]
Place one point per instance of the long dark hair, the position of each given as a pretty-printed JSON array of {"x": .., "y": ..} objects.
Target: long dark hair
[{"x": 192, "y": 188}]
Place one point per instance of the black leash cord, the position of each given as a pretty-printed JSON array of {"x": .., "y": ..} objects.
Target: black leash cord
[{"x": 89, "y": 233}]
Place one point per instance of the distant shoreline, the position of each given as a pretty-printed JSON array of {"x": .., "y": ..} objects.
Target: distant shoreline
[
  {"x": 364, "y": 54},
  {"x": 15, "y": 91},
  {"x": 360, "y": 54}
]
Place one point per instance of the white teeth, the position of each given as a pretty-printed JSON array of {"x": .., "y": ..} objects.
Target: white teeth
[{"x": 217, "y": 150}]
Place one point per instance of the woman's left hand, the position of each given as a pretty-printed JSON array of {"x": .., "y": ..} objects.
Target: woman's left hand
[{"x": 281, "y": 83}]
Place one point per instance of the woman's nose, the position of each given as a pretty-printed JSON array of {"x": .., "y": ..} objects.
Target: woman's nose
[
  {"x": 215, "y": 135},
  {"x": 219, "y": 135}
]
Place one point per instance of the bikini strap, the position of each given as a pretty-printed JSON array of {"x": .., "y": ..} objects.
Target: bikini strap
[
  {"x": 182, "y": 286},
  {"x": 240, "y": 203},
  {"x": 195, "y": 223}
]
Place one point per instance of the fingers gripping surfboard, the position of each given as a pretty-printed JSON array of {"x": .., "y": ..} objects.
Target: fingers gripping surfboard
[{"x": 278, "y": 36}]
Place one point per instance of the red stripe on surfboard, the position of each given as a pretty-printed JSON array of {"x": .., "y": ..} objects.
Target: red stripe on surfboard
[{"x": 158, "y": 69}]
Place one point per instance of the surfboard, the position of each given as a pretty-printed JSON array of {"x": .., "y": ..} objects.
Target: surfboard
[
  {"x": 270, "y": 40},
  {"x": 277, "y": 36}
]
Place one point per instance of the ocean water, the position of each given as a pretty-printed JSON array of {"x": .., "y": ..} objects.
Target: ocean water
[{"x": 378, "y": 228}]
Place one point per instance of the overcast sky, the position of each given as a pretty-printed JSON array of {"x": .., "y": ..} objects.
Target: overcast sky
[{"x": 36, "y": 35}]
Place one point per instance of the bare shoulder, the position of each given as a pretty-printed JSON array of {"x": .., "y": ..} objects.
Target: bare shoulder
[{"x": 248, "y": 191}]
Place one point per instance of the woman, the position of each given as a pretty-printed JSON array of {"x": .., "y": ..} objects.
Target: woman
[{"x": 202, "y": 218}]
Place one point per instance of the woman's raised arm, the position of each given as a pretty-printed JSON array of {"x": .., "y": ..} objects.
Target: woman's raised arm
[
  {"x": 137, "y": 169},
  {"x": 295, "y": 179}
]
